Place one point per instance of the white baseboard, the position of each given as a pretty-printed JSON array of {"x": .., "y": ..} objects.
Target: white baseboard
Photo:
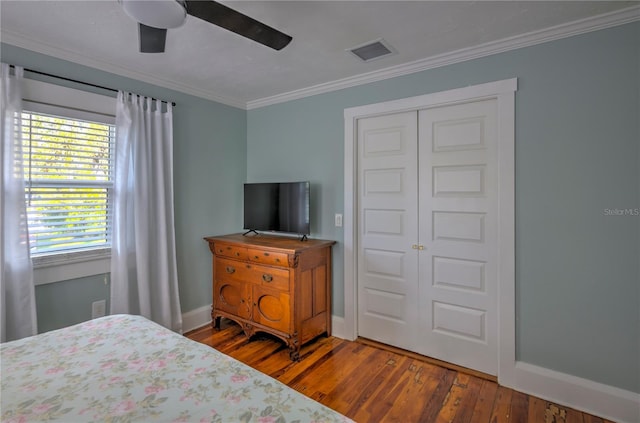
[
  {"x": 582, "y": 394},
  {"x": 337, "y": 327},
  {"x": 195, "y": 319}
]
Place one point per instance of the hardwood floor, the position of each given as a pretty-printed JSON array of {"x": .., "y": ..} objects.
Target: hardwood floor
[{"x": 369, "y": 384}]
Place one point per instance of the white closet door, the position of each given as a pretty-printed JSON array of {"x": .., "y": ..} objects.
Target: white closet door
[
  {"x": 427, "y": 231},
  {"x": 458, "y": 206},
  {"x": 387, "y": 229}
]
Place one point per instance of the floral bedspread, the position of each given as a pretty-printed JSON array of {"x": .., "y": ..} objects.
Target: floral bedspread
[{"x": 125, "y": 368}]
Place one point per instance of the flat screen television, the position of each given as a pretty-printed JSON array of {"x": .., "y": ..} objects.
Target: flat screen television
[{"x": 277, "y": 207}]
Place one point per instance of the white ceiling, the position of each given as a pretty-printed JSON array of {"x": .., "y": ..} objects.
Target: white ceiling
[{"x": 210, "y": 62}]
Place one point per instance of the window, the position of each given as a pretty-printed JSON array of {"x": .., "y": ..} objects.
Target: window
[
  {"x": 67, "y": 119},
  {"x": 68, "y": 169}
]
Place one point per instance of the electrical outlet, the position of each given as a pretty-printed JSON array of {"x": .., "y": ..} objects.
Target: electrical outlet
[
  {"x": 98, "y": 308},
  {"x": 338, "y": 220}
]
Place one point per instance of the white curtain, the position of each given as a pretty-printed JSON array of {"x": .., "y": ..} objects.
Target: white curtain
[
  {"x": 143, "y": 259},
  {"x": 17, "y": 303}
]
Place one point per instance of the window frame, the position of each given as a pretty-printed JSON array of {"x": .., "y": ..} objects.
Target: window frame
[{"x": 43, "y": 97}]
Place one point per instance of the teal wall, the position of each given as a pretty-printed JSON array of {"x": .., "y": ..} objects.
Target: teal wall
[
  {"x": 69, "y": 302},
  {"x": 209, "y": 170},
  {"x": 577, "y": 154}
]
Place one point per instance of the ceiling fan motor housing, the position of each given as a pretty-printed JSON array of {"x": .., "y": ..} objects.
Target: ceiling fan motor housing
[{"x": 157, "y": 14}]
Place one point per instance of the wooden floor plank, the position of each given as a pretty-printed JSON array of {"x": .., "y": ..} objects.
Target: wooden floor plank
[
  {"x": 278, "y": 364},
  {"x": 416, "y": 393},
  {"x": 466, "y": 394},
  {"x": 310, "y": 364},
  {"x": 438, "y": 395},
  {"x": 361, "y": 405},
  {"x": 502, "y": 406},
  {"x": 346, "y": 391},
  {"x": 371, "y": 384},
  {"x": 451, "y": 403},
  {"x": 574, "y": 416},
  {"x": 519, "y": 407},
  {"x": 484, "y": 405},
  {"x": 334, "y": 368},
  {"x": 592, "y": 419},
  {"x": 382, "y": 400},
  {"x": 536, "y": 412},
  {"x": 254, "y": 350}
]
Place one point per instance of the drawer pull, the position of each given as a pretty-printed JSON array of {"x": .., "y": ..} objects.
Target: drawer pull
[
  {"x": 267, "y": 277},
  {"x": 256, "y": 257},
  {"x": 237, "y": 254},
  {"x": 230, "y": 269},
  {"x": 266, "y": 254}
]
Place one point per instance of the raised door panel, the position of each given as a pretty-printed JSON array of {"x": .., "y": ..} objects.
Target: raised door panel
[
  {"x": 313, "y": 292},
  {"x": 233, "y": 297},
  {"x": 271, "y": 308},
  {"x": 319, "y": 290},
  {"x": 304, "y": 303}
]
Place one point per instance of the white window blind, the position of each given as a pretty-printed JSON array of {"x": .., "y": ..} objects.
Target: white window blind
[{"x": 68, "y": 169}]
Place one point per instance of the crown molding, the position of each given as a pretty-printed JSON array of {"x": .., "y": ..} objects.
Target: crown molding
[
  {"x": 594, "y": 23},
  {"x": 19, "y": 40}
]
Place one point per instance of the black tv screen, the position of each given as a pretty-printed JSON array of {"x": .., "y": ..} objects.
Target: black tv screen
[{"x": 277, "y": 206}]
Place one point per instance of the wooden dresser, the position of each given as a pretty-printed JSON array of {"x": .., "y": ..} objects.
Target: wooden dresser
[{"x": 273, "y": 284}]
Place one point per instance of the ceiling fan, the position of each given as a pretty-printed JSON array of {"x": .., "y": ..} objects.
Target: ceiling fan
[{"x": 154, "y": 17}]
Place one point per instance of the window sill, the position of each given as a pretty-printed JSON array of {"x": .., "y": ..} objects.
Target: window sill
[{"x": 60, "y": 267}]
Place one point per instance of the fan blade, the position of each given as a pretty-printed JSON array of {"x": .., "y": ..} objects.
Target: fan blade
[
  {"x": 227, "y": 18},
  {"x": 152, "y": 39}
]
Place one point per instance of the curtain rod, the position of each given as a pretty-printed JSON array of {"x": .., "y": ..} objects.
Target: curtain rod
[{"x": 79, "y": 82}]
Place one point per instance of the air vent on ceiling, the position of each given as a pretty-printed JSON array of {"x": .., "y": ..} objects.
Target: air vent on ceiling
[{"x": 372, "y": 50}]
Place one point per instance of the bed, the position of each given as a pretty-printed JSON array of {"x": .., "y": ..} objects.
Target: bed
[{"x": 126, "y": 368}]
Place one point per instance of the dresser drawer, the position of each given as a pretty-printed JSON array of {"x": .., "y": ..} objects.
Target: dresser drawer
[
  {"x": 232, "y": 251},
  {"x": 270, "y": 276},
  {"x": 229, "y": 270},
  {"x": 268, "y": 257},
  {"x": 232, "y": 270}
]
